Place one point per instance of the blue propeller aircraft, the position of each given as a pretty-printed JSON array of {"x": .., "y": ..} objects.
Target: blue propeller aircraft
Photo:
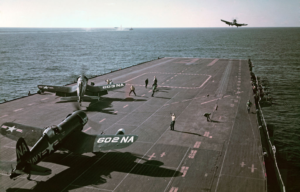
[{"x": 66, "y": 135}]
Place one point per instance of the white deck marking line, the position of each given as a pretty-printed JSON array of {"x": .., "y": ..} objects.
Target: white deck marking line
[
  {"x": 102, "y": 120},
  {"x": 205, "y": 81},
  {"x": 87, "y": 129},
  {"x": 31, "y": 104},
  {"x": 143, "y": 95},
  {"x": 213, "y": 62},
  {"x": 4, "y": 116},
  {"x": 143, "y": 69},
  {"x": 193, "y": 61},
  {"x": 222, "y": 165},
  {"x": 18, "y": 109},
  {"x": 90, "y": 187},
  {"x": 125, "y": 106},
  {"x": 135, "y": 77},
  {"x": 44, "y": 98},
  {"x": 149, "y": 91},
  {"x": 177, "y": 168},
  {"x": 116, "y": 112},
  {"x": 208, "y": 101}
]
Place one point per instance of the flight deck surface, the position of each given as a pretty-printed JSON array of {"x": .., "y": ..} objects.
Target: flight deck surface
[{"x": 223, "y": 155}]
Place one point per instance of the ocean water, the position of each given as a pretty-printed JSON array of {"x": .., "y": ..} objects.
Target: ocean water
[{"x": 31, "y": 56}]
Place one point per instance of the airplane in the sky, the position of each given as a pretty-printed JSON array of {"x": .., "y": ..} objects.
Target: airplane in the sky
[
  {"x": 234, "y": 23},
  {"x": 78, "y": 92},
  {"x": 66, "y": 135}
]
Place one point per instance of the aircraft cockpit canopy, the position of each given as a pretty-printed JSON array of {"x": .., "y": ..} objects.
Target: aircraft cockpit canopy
[{"x": 52, "y": 130}]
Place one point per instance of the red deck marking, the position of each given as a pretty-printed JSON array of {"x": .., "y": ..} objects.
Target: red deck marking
[
  {"x": 252, "y": 168},
  {"x": 150, "y": 91},
  {"x": 143, "y": 95},
  {"x": 19, "y": 130},
  {"x": 243, "y": 164},
  {"x": 31, "y": 104},
  {"x": 192, "y": 154},
  {"x": 3, "y": 126},
  {"x": 44, "y": 98},
  {"x": 87, "y": 129},
  {"x": 171, "y": 77},
  {"x": 174, "y": 189},
  {"x": 116, "y": 112},
  {"x": 125, "y": 106},
  {"x": 184, "y": 170},
  {"x": 102, "y": 120},
  {"x": 151, "y": 156},
  {"x": 4, "y": 116},
  {"x": 213, "y": 62},
  {"x": 197, "y": 144},
  {"x": 231, "y": 105},
  {"x": 18, "y": 109},
  {"x": 163, "y": 154},
  {"x": 206, "y": 134}
]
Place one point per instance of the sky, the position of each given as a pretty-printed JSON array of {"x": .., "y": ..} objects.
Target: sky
[{"x": 148, "y": 13}]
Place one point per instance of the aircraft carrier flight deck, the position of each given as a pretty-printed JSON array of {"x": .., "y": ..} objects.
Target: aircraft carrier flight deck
[{"x": 221, "y": 155}]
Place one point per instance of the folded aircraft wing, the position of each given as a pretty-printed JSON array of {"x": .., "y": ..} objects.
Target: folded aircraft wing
[
  {"x": 14, "y": 131},
  {"x": 79, "y": 142},
  {"x": 61, "y": 89}
]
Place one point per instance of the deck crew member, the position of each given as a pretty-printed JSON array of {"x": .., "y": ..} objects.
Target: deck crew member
[
  {"x": 108, "y": 81},
  {"x": 207, "y": 115},
  {"x": 153, "y": 89},
  {"x": 154, "y": 81},
  {"x": 173, "y": 117},
  {"x": 146, "y": 82},
  {"x": 132, "y": 89},
  {"x": 249, "y": 104}
]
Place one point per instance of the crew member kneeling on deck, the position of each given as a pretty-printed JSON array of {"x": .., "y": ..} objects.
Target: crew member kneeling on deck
[{"x": 207, "y": 116}]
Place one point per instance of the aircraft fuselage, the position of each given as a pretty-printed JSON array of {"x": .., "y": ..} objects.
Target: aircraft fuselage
[{"x": 51, "y": 139}]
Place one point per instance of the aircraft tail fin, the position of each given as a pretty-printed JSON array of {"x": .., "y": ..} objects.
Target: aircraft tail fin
[{"x": 22, "y": 150}]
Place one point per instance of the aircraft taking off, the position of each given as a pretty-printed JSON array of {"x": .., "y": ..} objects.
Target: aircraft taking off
[
  {"x": 66, "y": 135},
  {"x": 234, "y": 23},
  {"x": 78, "y": 92}
]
